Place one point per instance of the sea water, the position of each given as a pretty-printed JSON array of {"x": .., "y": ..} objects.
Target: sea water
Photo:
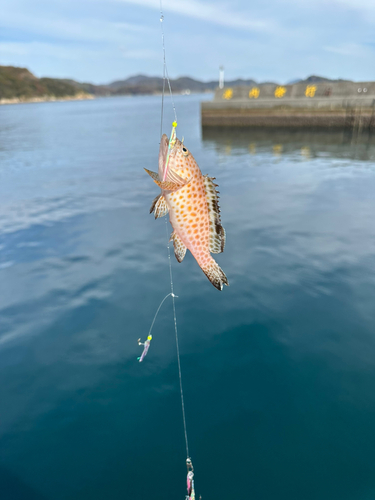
[{"x": 278, "y": 369}]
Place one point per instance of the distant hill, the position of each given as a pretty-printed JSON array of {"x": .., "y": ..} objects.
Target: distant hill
[
  {"x": 20, "y": 83},
  {"x": 318, "y": 79},
  {"x": 142, "y": 84},
  {"x": 90, "y": 88}
]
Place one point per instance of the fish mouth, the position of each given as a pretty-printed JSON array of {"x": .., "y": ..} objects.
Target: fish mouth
[
  {"x": 163, "y": 150},
  {"x": 171, "y": 151},
  {"x": 168, "y": 149}
]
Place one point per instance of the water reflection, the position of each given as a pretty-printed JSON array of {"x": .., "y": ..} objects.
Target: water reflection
[{"x": 234, "y": 141}]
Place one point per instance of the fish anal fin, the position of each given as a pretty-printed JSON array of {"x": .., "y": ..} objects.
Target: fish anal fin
[
  {"x": 217, "y": 232},
  {"x": 159, "y": 205},
  {"x": 179, "y": 247}
]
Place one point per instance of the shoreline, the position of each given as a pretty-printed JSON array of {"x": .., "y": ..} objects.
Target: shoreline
[{"x": 81, "y": 96}]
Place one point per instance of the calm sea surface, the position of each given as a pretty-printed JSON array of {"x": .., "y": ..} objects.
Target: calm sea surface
[{"x": 278, "y": 369}]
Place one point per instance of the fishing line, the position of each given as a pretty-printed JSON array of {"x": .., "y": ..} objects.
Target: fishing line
[
  {"x": 165, "y": 74},
  {"x": 177, "y": 344},
  {"x": 157, "y": 312},
  {"x": 166, "y": 77}
]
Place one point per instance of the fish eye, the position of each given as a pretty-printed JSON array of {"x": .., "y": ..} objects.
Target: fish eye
[
  {"x": 185, "y": 152},
  {"x": 184, "y": 149}
]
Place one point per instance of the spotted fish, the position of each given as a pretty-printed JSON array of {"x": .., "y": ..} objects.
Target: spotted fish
[{"x": 192, "y": 202}]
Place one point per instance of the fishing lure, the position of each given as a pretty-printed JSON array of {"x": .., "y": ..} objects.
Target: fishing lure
[
  {"x": 190, "y": 480},
  {"x": 146, "y": 347},
  {"x": 190, "y": 486}
]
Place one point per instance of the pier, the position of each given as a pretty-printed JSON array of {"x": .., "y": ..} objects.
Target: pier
[{"x": 331, "y": 105}]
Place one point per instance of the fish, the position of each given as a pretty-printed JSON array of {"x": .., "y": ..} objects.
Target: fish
[{"x": 192, "y": 201}]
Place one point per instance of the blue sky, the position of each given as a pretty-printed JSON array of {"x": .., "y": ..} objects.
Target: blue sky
[{"x": 104, "y": 40}]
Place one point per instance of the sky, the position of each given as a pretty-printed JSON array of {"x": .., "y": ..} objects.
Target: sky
[{"x": 100, "y": 41}]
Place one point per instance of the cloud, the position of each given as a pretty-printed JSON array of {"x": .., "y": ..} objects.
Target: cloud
[
  {"x": 139, "y": 53},
  {"x": 213, "y": 13},
  {"x": 70, "y": 29},
  {"x": 59, "y": 51},
  {"x": 348, "y": 49},
  {"x": 14, "y": 48},
  {"x": 111, "y": 39},
  {"x": 364, "y": 6}
]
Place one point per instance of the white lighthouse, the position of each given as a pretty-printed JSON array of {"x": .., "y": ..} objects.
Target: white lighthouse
[{"x": 221, "y": 77}]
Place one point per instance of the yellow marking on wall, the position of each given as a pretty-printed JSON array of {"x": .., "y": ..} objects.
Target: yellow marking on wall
[
  {"x": 306, "y": 152},
  {"x": 228, "y": 94},
  {"x": 310, "y": 90},
  {"x": 254, "y": 93},
  {"x": 228, "y": 150},
  {"x": 277, "y": 149},
  {"x": 280, "y": 92}
]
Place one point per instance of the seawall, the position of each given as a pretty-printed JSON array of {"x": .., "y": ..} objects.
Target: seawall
[{"x": 343, "y": 105}]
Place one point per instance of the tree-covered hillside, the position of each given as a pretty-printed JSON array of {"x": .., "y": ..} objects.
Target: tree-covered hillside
[{"x": 20, "y": 83}]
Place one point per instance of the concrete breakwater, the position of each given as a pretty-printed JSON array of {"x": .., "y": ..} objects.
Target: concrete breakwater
[{"x": 333, "y": 105}]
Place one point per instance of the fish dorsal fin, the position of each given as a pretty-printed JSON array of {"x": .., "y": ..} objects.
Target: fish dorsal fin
[
  {"x": 179, "y": 247},
  {"x": 159, "y": 205},
  {"x": 217, "y": 232},
  {"x": 168, "y": 185}
]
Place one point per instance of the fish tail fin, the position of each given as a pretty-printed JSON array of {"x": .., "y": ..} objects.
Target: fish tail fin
[{"x": 215, "y": 274}]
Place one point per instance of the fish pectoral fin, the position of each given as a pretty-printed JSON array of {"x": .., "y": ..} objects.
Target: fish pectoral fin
[
  {"x": 154, "y": 175},
  {"x": 159, "y": 205},
  {"x": 179, "y": 247},
  {"x": 167, "y": 185},
  {"x": 172, "y": 176}
]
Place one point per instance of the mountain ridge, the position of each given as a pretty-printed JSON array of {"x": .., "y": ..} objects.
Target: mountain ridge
[{"x": 20, "y": 83}]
